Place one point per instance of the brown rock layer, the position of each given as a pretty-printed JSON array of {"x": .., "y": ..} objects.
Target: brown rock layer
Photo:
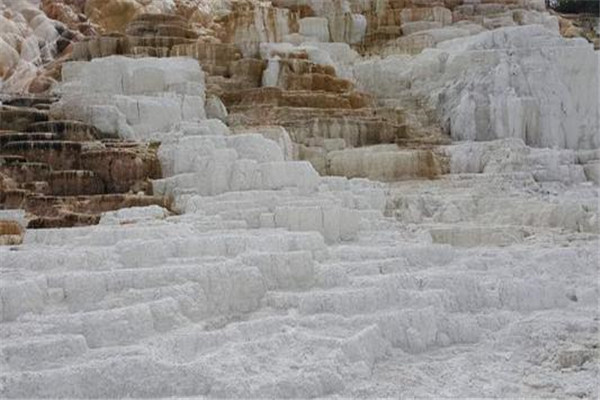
[
  {"x": 11, "y": 233},
  {"x": 63, "y": 173}
]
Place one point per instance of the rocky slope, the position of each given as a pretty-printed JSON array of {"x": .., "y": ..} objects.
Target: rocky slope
[{"x": 297, "y": 198}]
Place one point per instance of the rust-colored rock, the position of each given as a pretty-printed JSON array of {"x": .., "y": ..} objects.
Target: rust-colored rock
[
  {"x": 55, "y": 206},
  {"x": 7, "y": 137},
  {"x": 64, "y": 174},
  {"x": 154, "y": 35},
  {"x": 11, "y": 233},
  {"x": 37, "y": 187},
  {"x": 277, "y": 97},
  {"x": 121, "y": 169},
  {"x": 75, "y": 183},
  {"x": 164, "y": 25},
  {"x": 70, "y": 13},
  {"x": 64, "y": 220},
  {"x": 26, "y": 171},
  {"x": 13, "y": 199},
  {"x": 19, "y": 118},
  {"x": 68, "y": 130},
  {"x": 215, "y": 58}
]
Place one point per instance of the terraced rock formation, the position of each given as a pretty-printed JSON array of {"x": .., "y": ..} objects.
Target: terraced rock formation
[
  {"x": 304, "y": 199},
  {"x": 280, "y": 283},
  {"x": 65, "y": 173},
  {"x": 290, "y": 64},
  {"x": 322, "y": 112}
]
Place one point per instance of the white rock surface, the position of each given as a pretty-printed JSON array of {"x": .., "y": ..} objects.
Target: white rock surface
[
  {"x": 135, "y": 99},
  {"x": 512, "y": 155},
  {"x": 134, "y": 215},
  {"x": 315, "y": 27},
  {"x": 275, "y": 282},
  {"x": 520, "y": 82},
  {"x": 215, "y": 109}
]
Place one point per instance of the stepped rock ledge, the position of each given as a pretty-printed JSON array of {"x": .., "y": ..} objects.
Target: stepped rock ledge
[{"x": 299, "y": 199}]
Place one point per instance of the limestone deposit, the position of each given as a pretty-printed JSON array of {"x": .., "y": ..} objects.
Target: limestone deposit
[{"x": 298, "y": 199}]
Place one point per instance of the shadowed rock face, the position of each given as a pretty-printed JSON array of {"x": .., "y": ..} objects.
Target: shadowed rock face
[
  {"x": 122, "y": 169},
  {"x": 19, "y": 118},
  {"x": 57, "y": 154},
  {"x": 14, "y": 198},
  {"x": 68, "y": 130},
  {"x": 164, "y": 25},
  {"x": 75, "y": 183},
  {"x": 26, "y": 171},
  {"x": 6, "y": 137},
  {"x": 66, "y": 220},
  {"x": 69, "y": 211}
]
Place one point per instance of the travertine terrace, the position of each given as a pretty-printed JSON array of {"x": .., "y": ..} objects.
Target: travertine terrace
[{"x": 298, "y": 199}]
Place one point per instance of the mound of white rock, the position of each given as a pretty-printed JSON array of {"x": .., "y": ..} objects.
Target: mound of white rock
[
  {"x": 134, "y": 99},
  {"x": 520, "y": 82},
  {"x": 247, "y": 177}
]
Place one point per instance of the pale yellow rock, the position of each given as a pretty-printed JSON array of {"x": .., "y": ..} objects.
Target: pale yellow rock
[
  {"x": 114, "y": 15},
  {"x": 8, "y": 57}
]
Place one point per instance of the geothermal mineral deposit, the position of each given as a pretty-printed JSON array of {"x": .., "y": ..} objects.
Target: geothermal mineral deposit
[{"x": 298, "y": 199}]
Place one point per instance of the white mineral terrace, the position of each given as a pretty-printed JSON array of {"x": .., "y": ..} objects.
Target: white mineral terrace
[{"x": 272, "y": 281}]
